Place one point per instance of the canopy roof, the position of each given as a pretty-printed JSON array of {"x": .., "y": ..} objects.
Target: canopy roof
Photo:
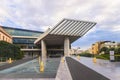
[{"x": 73, "y": 29}]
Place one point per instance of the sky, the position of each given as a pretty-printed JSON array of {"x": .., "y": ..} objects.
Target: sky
[{"x": 43, "y": 14}]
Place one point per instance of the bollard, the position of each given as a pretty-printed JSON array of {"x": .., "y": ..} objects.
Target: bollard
[
  {"x": 94, "y": 60},
  {"x": 10, "y": 61},
  {"x": 78, "y": 57},
  {"x": 41, "y": 66},
  {"x": 63, "y": 60}
]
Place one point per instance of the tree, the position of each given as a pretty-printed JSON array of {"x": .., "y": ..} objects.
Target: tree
[
  {"x": 10, "y": 50},
  {"x": 104, "y": 49},
  {"x": 112, "y": 49},
  {"x": 117, "y": 50}
]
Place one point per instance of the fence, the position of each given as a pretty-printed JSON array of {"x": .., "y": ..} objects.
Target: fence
[{"x": 3, "y": 59}]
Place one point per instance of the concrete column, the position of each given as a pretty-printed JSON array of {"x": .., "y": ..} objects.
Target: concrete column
[
  {"x": 66, "y": 46},
  {"x": 43, "y": 50}
]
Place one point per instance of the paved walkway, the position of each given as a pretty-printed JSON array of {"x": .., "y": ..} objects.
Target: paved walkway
[
  {"x": 109, "y": 69},
  {"x": 104, "y": 67},
  {"x": 63, "y": 72},
  {"x": 81, "y": 72},
  {"x": 3, "y": 63},
  {"x": 28, "y": 71},
  {"x": 15, "y": 63}
]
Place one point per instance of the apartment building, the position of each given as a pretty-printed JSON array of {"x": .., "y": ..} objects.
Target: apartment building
[{"x": 95, "y": 48}]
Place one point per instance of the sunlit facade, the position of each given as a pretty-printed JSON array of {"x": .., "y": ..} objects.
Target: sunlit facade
[
  {"x": 95, "y": 48},
  {"x": 4, "y": 36}
]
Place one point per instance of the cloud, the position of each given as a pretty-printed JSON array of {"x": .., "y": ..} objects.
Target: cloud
[
  {"x": 44, "y": 12},
  {"x": 41, "y": 14}
]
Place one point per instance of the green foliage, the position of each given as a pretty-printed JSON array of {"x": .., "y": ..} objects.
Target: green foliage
[
  {"x": 86, "y": 54},
  {"x": 104, "y": 49},
  {"x": 117, "y": 56},
  {"x": 103, "y": 56},
  {"x": 117, "y": 50},
  {"x": 10, "y": 50},
  {"x": 112, "y": 49}
]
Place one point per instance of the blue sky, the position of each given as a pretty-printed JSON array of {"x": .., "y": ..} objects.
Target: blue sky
[{"x": 42, "y": 14}]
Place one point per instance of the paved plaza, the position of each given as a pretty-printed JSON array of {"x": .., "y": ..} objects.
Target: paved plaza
[
  {"x": 104, "y": 67},
  {"x": 81, "y": 72}
]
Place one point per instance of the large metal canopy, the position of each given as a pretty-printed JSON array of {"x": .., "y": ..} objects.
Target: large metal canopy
[{"x": 73, "y": 29}]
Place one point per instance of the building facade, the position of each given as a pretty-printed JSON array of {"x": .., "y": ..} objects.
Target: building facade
[
  {"x": 24, "y": 39},
  {"x": 61, "y": 36},
  {"x": 95, "y": 48},
  {"x": 54, "y": 41},
  {"x": 4, "y": 36},
  {"x": 111, "y": 44}
]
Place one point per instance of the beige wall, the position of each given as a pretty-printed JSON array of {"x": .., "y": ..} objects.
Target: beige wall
[
  {"x": 95, "y": 48},
  {"x": 4, "y": 36}
]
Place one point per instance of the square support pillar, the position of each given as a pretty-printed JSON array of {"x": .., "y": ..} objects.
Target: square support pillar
[
  {"x": 66, "y": 46},
  {"x": 43, "y": 50}
]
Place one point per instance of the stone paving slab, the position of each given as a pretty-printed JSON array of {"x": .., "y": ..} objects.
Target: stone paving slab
[
  {"x": 27, "y": 76},
  {"x": 104, "y": 67},
  {"x": 40, "y": 75},
  {"x": 63, "y": 72},
  {"x": 81, "y": 72},
  {"x": 15, "y": 63},
  {"x": 30, "y": 79}
]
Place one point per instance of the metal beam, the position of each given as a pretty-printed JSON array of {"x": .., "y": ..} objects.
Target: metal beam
[
  {"x": 84, "y": 29},
  {"x": 60, "y": 27},
  {"x": 68, "y": 28},
  {"x": 87, "y": 30},
  {"x": 79, "y": 29},
  {"x": 57, "y": 26},
  {"x": 74, "y": 29},
  {"x": 64, "y": 27}
]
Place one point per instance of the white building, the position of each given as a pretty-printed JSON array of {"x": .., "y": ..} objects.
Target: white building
[{"x": 111, "y": 44}]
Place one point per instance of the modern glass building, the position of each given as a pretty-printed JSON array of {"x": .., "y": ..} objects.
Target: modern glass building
[
  {"x": 21, "y": 32},
  {"x": 22, "y": 37},
  {"x": 54, "y": 41},
  {"x": 25, "y": 38}
]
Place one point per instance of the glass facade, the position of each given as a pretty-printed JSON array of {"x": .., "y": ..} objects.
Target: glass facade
[
  {"x": 22, "y": 41},
  {"x": 22, "y": 32}
]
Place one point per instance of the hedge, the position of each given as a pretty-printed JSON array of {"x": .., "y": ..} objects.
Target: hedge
[{"x": 10, "y": 50}]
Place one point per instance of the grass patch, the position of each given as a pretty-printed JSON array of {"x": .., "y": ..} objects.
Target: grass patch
[
  {"x": 86, "y": 54},
  {"x": 103, "y": 56}
]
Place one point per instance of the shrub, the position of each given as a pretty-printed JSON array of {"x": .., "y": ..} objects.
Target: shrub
[
  {"x": 117, "y": 57},
  {"x": 105, "y": 50},
  {"x": 103, "y": 56},
  {"x": 86, "y": 54},
  {"x": 10, "y": 50}
]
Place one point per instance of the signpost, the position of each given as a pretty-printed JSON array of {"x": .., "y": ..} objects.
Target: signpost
[{"x": 112, "y": 57}]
